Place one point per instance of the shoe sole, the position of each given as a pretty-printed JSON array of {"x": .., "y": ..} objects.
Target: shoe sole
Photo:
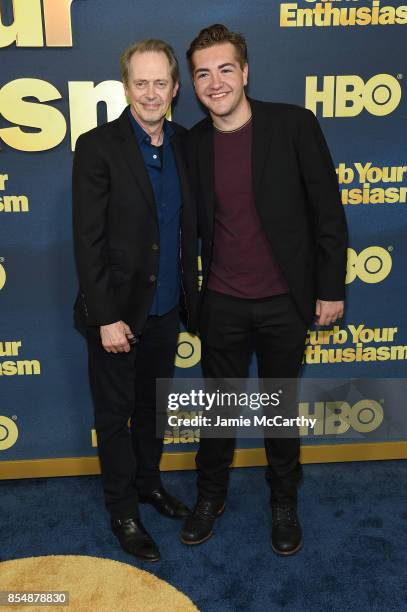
[
  {"x": 287, "y": 554},
  {"x": 196, "y": 542}
]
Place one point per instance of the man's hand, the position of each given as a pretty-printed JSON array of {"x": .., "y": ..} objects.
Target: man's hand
[
  {"x": 328, "y": 312},
  {"x": 114, "y": 337}
]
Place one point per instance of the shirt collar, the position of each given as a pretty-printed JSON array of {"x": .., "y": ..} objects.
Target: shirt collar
[{"x": 143, "y": 137}]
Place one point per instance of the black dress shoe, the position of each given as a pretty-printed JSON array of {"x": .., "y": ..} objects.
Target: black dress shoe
[
  {"x": 286, "y": 534},
  {"x": 134, "y": 539},
  {"x": 165, "y": 503},
  {"x": 199, "y": 524}
]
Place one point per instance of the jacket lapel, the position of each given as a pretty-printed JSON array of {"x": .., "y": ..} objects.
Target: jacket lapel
[
  {"x": 261, "y": 143},
  {"x": 206, "y": 173},
  {"x": 179, "y": 160},
  {"x": 131, "y": 152}
]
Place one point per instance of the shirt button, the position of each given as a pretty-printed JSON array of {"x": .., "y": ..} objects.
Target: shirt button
[
  {"x": 154, "y": 156},
  {"x": 154, "y": 247},
  {"x": 152, "y": 278}
]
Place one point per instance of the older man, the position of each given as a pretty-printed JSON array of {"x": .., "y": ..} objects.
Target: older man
[{"x": 130, "y": 197}]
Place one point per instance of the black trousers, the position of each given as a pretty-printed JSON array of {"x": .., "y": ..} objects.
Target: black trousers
[
  {"x": 123, "y": 388},
  {"x": 231, "y": 329}
]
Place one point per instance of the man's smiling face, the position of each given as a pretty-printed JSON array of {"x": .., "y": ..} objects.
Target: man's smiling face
[
  {"x": 150, "y": 89},
  {"x": 219, "y": 79}
]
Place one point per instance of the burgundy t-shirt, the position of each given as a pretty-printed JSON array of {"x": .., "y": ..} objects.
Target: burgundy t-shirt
[{"x": 242, "y": 263}]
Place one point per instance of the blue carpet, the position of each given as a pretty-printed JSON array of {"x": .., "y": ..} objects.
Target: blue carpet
[{"x": 354, "y": 517}]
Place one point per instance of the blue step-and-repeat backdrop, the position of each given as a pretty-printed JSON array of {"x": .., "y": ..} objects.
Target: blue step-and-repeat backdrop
[{"x": 345, "y": 60}]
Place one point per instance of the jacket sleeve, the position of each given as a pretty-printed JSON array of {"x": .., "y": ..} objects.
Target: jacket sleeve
[
  {"x": 90, "y": 200},
  {"x": 328, "y": 217}
]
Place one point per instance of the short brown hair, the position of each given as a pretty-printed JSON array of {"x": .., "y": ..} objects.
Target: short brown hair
[
  {"x": 218, "y": 34},
  {"x": 144, "y": 46}
]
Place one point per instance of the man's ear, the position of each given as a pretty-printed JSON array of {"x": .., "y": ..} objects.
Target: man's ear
[
  {"x": 245, "y": 73},
  {"x": 126, "y": 91},
  {"x": 175, "y": 90}
]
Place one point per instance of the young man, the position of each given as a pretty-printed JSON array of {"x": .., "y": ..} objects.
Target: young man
[
  {"x": 130, "y": 196},
  {"x": 274, "y": 255}
]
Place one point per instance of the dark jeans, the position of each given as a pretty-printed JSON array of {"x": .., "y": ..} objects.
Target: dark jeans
[
  {"x": 123, "y": 388},
  {"x": 231, "y": 329}
]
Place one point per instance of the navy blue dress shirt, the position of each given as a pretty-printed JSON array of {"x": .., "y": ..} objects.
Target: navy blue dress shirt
[{"x": 162, "y": 170}]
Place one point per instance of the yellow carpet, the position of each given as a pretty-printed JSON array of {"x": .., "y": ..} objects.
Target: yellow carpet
[{"x": 94, "y": 585}]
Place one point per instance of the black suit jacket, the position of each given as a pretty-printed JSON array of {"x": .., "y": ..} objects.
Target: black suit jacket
[
  {"x": 115, "y": 227},
  {"x": 296, "y": 195}
]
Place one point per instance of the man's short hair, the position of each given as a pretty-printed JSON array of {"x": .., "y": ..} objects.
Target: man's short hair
[
  {"x": 144, "y": 46},
  {"x": 218, "y": 34}
]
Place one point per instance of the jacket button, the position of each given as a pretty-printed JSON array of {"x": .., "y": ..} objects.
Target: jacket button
[
  {"x": 152, "y": 278},
  {"x": 154, "y": 247}
]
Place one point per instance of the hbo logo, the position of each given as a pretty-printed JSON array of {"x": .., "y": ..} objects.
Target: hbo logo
[
  {"x": 188, "y": 351},
  {"x": 8, "y": 433},
  {"x": 336, "y": 418},
  {"x": 365, "y": 416},
  {"x": 2, "y": 277},
  {"x": 348, "y": 95},
  {"x": 372, "y": 265}
]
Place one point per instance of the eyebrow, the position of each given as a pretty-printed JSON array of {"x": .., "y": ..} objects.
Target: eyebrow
[
  {"x": 219, "y": 67},
  {"x": 147, "y": 81}
]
